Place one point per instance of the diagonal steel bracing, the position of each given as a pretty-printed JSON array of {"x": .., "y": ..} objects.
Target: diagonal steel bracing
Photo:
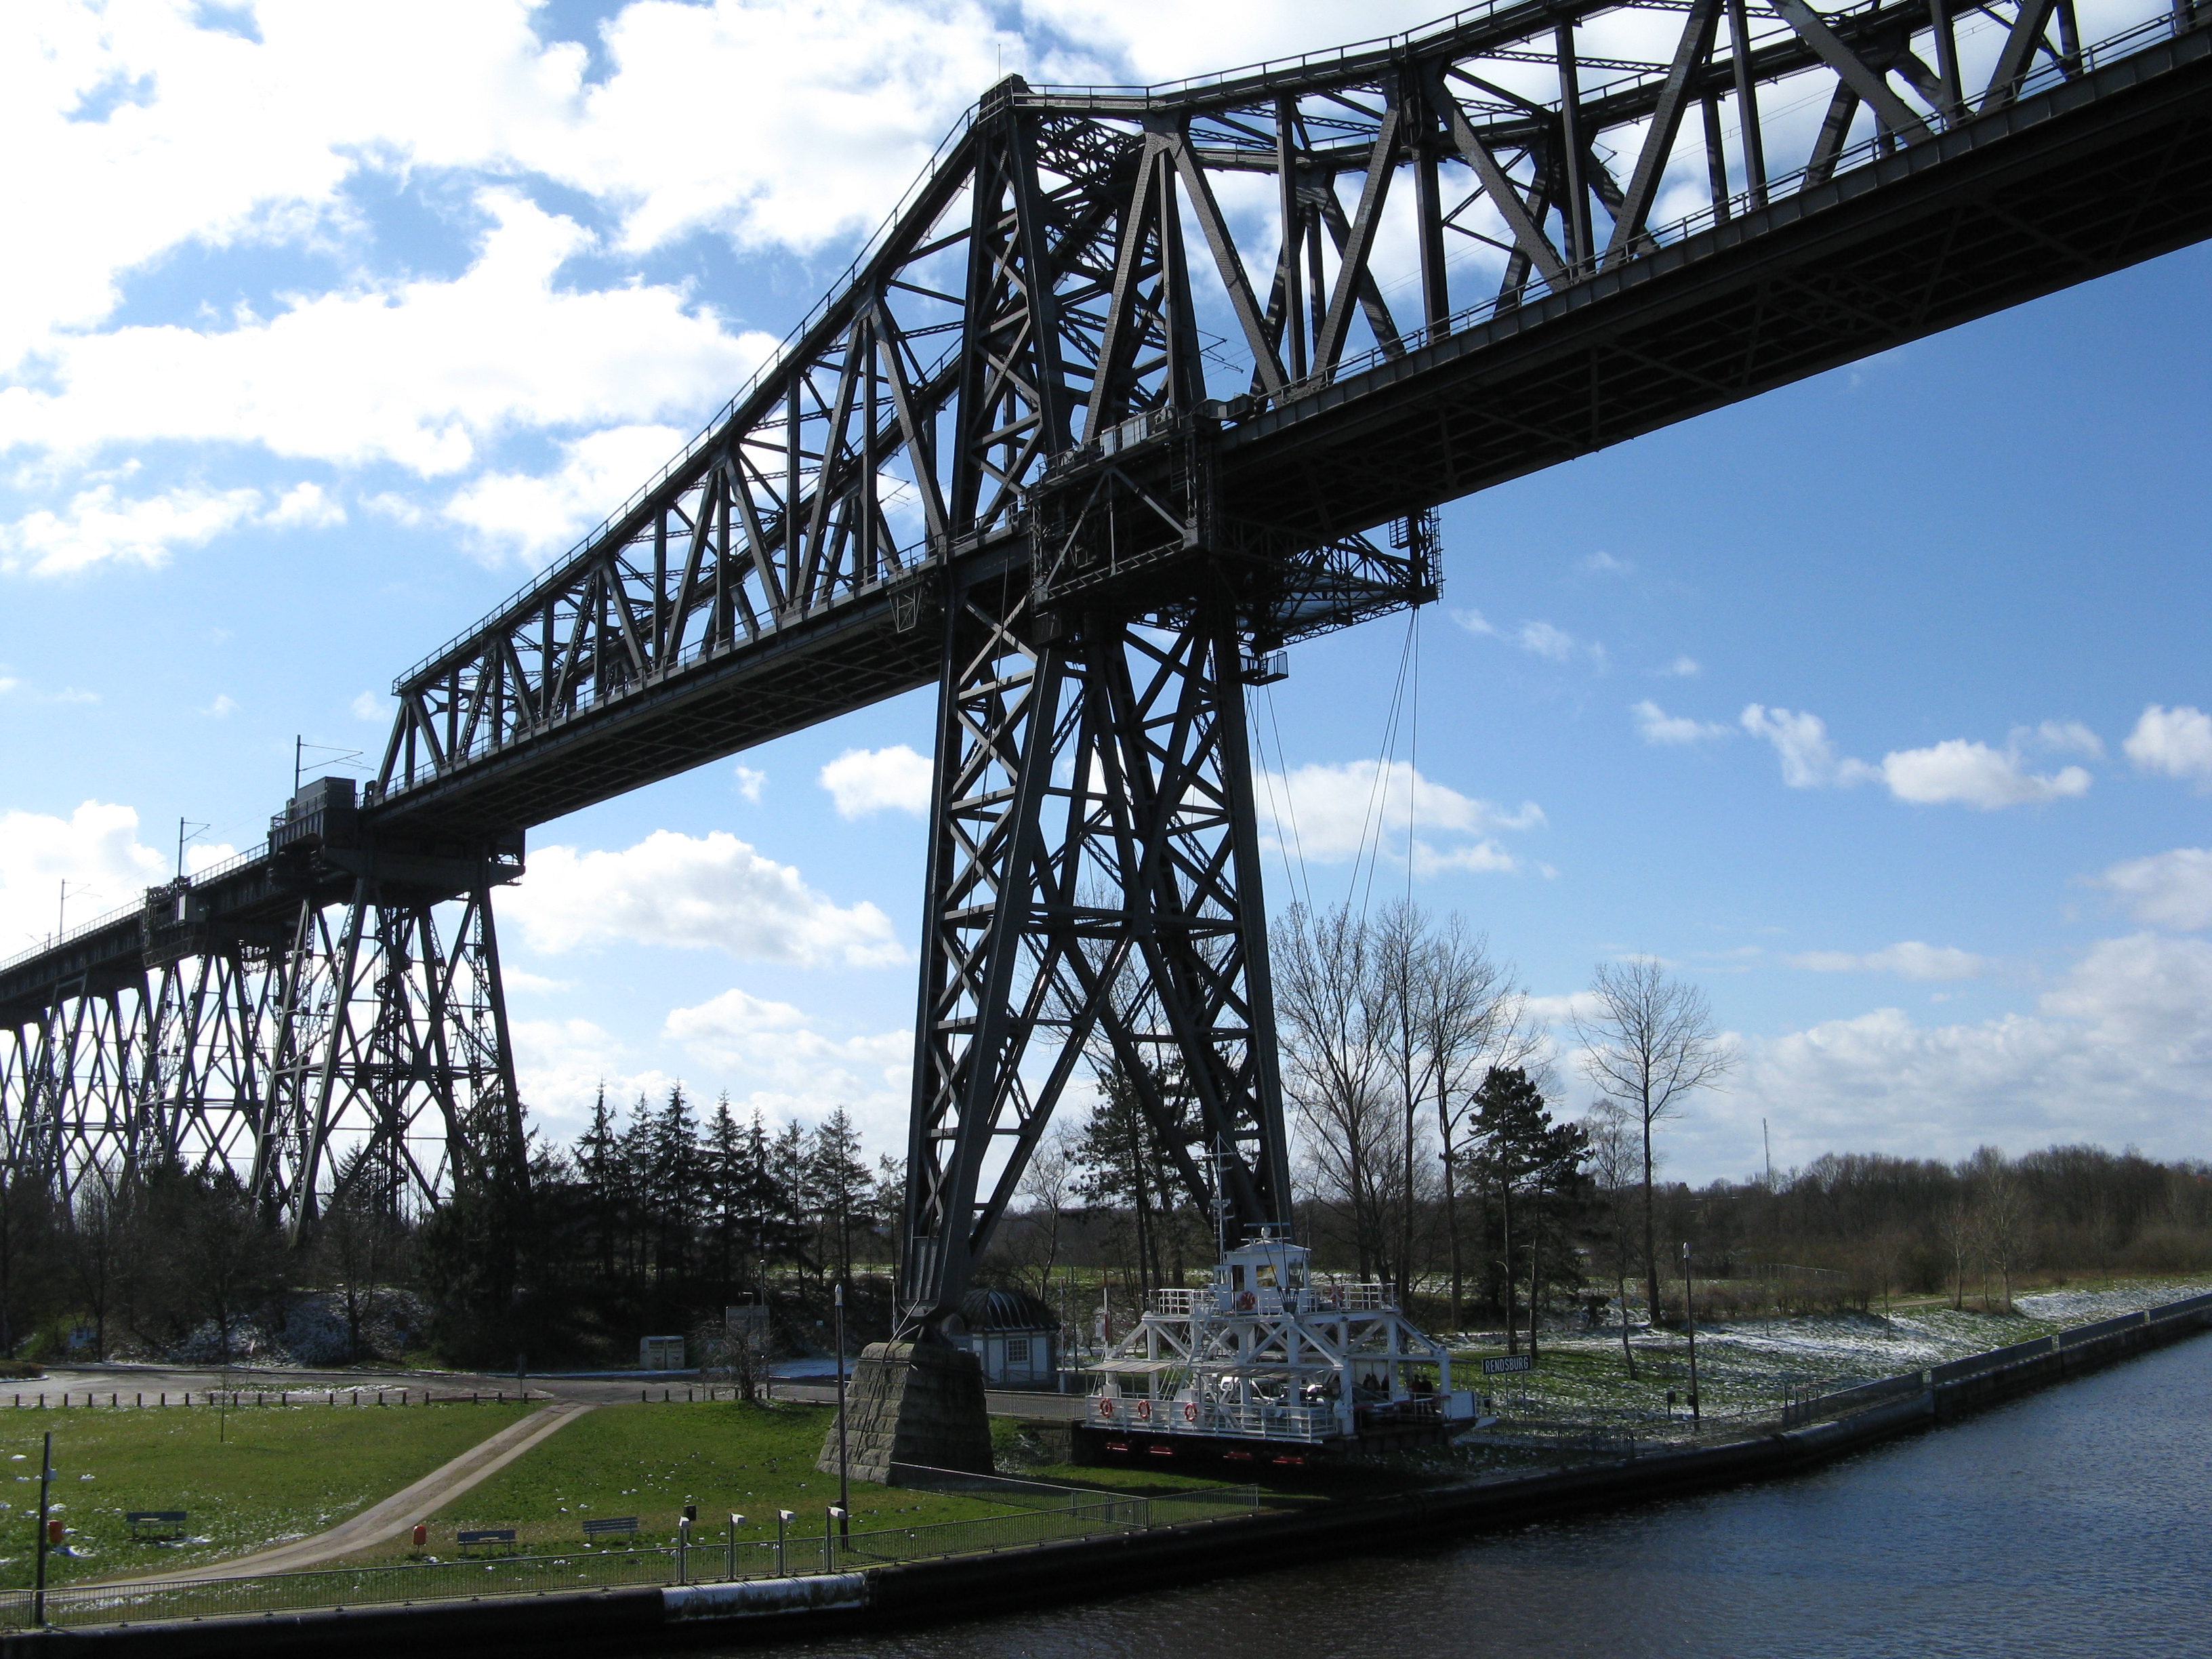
[
  {"x": 1093, "y": 898},
  {"x": 1115, "y": 399}
]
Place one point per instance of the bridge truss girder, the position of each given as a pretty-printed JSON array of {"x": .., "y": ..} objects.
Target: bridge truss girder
[{"x": 366, "y": 1046}]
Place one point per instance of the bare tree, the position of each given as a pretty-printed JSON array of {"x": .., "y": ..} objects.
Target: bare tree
[
  {"x": 1648, "y": 1042},
  {"x": 1473, "y": 1016},
  {"x": 1049, "y": 1186},
  {"x": 1613, "y": 1137},
  {"x": 1333, "y": 1017},
  {"x": 1956, "y": 1224}
]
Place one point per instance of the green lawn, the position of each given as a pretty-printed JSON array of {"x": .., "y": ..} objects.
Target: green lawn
[
  {"x": 649, "y": 1460},
  {"x": 266, "y": 1475}
]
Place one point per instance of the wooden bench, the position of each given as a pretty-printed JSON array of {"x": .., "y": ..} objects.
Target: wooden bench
[
  {"x": 611, "y": 1526},
  {"x": 155, "y": 1525},
  {"x": 478, "y": 1536}
]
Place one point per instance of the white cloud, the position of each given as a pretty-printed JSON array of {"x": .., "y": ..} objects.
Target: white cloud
[
  {"x": 95, "y": 850},
  {"x": 1962, "y": 772},
  {"x": 420, "y": 373},
  {"x": 1476, "y": 623},
  {"x": 533, "y": 518},
  {"x": 2167, "y": 890},
  {"x": 2176, "y": 742},
  {"x": 1910, "y": 960},
  {"x": 2120, "y": 1052},
  {"x": 224, "y": 705},
  {"x": 371, "y": 706},
  {"x": 1602, "y": 564},
  {"x": 560, "y": 1065},
  {"x": 97, "y": 527},
  {"x": 1955, "y": 772},
  {"x": 2062, "y": 737},
  {"x": 865, "y": 781},
  {"x": 776, "y": 1061},
  {"x": 304, "y": 506},
  {"x": 1328, "y": 814},
  {"x": 674, "y": 889},
  {"x": 1563, "y": 1011},
  {"x": 1538, "y": 639},
  {"x": 1808, "y": 760},
  {"x": 750, "y": 782},
  {"x": 1661, "y": 729},
  {"x": 1683, "y": 668},
  {"x": 1541, "y": 639}
]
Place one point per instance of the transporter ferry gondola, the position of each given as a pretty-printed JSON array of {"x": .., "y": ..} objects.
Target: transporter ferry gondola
[{"x": 1265, "y": 1364}]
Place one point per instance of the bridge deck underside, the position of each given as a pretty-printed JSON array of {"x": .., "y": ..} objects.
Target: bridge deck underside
[{"x": 2057, "y": 190}]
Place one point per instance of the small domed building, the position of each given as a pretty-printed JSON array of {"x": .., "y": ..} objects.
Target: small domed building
[{"x": 1015, "y": 1336}]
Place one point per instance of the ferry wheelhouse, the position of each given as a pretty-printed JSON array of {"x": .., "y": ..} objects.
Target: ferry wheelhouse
[{"x": 1267, "y": 1361}]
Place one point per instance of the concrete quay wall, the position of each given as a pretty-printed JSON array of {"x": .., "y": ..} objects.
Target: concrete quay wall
[{"x": 612, "y": 1622}]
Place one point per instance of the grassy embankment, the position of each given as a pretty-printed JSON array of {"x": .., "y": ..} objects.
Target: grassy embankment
[
  {"x": 261, "y": 1475},
  {"x": 1744, "y": 1367},
  {"x": 650, "y": 1461}
]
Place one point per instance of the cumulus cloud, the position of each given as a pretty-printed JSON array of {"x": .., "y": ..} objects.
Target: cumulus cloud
[
  {"x": 2174, "y": 742},
  {"x": 2167, "y": 890},
  {"x": 865, "y": 780},
  {"x": 2118, "y": 1053},
  {"x": 1328, "y": 814},
  {"x": 98, "y": 526},
  {"x": 1955, "y": 772},
  {"x": 750, "y": 782},
  {"x": 779, "y": 1062},
  {"x": 96, "y": 850},
  {"x": 1662, "y": 730},
  {"x": 1962, "y": 772},
  {"x": 304, "y": 506},
  {"x": 420, "y": 373},
  {"x": 533, "y": 517},
  {"x": 693, "y": 893},
  {"x": 1910, "y": 960},
  {"x": 562, "y": 1064},
  {"x": 2062, "y": 737},
  {"x": 1809, "y": 760},
  {"x": 1683, "y": 668},
  {"x": 371, "y": 706}
]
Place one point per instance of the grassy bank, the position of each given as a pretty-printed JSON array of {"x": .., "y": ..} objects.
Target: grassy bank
[
  {"x": 246, "y": 1479},
  {"x": 650, "y": 1461}
]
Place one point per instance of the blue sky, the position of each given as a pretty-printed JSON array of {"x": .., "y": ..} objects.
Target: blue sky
[{"x": 1872, "y": 705}]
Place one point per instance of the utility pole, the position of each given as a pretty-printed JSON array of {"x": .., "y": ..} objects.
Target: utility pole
[
  {"x": 844, "y": 1482},
  {"x": 45, "y": 1490},
  {"x": 184, "y": 835},
  {"x": 1690, "y": 1324},
  {"x": 1766, "y": 1141}
]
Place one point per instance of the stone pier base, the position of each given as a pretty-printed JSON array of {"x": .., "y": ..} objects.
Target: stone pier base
[{"x": 912, "y": 1403}]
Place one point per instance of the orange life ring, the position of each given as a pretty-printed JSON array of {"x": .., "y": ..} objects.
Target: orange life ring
[
  {"x": 1144, "y": 1411},
  {"x": 1105, "y": 1408},
  {"x": 1190, "y": 1410},
  {"x": 1248, "y": 1302}
]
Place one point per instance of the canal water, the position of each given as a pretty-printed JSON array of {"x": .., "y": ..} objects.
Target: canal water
[{"x": 2076, "y": 1521}]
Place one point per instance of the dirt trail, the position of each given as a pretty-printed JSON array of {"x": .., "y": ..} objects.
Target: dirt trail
[{"x": 397, "y": 1513}]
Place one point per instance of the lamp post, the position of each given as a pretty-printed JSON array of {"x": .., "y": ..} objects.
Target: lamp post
[
  {"x": 844, "y": 1481},
  {"x": 736, "y": 1520},
  {"x": 46, "y": 1488},
  {"x": 1690, "y": 1324},
  {"x": 783, "y": 1519},
  {"x": 829, "y": 1538}
]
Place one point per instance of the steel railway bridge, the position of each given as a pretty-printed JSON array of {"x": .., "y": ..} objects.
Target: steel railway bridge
[{"x": 1133, "y": 389}]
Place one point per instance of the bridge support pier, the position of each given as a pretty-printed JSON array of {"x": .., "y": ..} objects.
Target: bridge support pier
[{"x": 1093, "y": 902}]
